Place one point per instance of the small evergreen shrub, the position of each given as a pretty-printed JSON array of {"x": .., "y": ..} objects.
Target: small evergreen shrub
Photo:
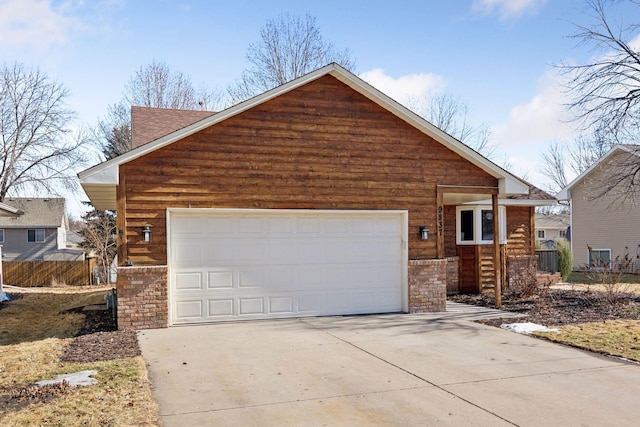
[{"x": 565, "y": 258}]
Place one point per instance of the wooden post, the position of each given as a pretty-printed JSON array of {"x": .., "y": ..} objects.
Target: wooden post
[
  {"x": 121, "y": 222},
  {"x": 439, "y": 225},
  {"x": 496, "y": 250}
]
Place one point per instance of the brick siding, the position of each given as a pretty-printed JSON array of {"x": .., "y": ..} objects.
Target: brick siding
[
  {"x": 427, "y": 285},
  {"x": 453, "y": 271},
  {"x": 142, "y": 297}
]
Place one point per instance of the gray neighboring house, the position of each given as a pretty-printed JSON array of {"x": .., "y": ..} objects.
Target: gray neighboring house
[
  {"x": 551, "y": 227},
  {"x": 604, "y": 226},
  {"x": 35, "y": 229}
]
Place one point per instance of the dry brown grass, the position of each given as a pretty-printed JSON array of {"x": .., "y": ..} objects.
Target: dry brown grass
[
  {"x": 122, "y": 396},
  {"x": 37, "y": 316},
  {"x": 616, "y": 337},
  {"x": 33, "y": 335}
]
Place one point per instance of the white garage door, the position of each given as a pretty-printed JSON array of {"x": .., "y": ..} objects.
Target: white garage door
[{"x": 249, "y": 264}]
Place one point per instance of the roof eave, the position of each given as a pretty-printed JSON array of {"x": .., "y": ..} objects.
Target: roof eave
[{"x": 565, "y": 193}]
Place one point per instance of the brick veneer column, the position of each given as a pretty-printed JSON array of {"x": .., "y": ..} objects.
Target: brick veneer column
[
  {"x": 453, "y": 272},
  {"x": 427, "y": 285},
  {"x": 142, "y": 297}
]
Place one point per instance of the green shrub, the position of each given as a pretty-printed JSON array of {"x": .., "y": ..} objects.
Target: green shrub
[{"x": 565, "y": 258}]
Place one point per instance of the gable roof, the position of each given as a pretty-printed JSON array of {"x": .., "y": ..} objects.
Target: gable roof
[
  {"x": 34, "y": 212},
  {"x": 100, "y": 181},
  {"x": 565, "y": 193},
  {"x": 149, "y": 124}
]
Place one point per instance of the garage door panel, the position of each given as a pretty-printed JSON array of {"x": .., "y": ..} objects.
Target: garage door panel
[
  {"x": 189, "y": 309},
  {"x": 310, "y": 303},
  {"x": 188, "y": 281},
  {"x": 221, "y": 307},
  {"x": 251, "y": 278},
  {"x": 251, "y": 306},
  {"x": 220, "y": 279},
  {"x": 257, "y": 264},
  {"x": 280, "y": 305}
]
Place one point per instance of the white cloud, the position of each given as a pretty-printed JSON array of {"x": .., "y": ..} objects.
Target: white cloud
[
  {"x": 405, "y": 89},
  {"x": 542, "y": 118},
  {"x": 508, "y": 9},
  {"x": 33, "y": 22}
]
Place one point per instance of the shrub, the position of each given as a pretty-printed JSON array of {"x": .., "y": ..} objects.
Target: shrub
[{"x": 565, "y": 258}]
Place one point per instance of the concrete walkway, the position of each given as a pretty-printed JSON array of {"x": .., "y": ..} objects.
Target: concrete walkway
[{"x": 436, "y": 369}]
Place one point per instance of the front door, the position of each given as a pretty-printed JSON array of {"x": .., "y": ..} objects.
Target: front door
[{"x": 468, "y": 276}]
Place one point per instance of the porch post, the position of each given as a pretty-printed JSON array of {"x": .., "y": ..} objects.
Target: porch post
[
  {"x": 496, "y": 249},
  {"x": 439, "y": 225}
]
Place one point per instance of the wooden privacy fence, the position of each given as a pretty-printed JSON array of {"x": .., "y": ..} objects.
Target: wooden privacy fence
[
  {"x": 48, "y": 273},
  {"x": 547, "y": 260}
]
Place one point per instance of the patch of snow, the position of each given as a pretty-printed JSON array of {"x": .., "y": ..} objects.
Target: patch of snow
[
  {"x": 4, "y": 297},
  {"x": 81, "y": 378},
  {"x": 526, "y": 328}
]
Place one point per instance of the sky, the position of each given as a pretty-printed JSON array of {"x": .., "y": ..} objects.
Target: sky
[{"x": 498, "y": 57}]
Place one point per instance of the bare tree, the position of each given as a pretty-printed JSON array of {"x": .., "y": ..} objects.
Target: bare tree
[
  {"x": 451, "y": 115},
  {"x": 289, "y": 47},
  {"x": 99, "y": 237},
  {"x": 153, "y": 85},
  {"x": 605, "y": 101},
  {"x": 606, "y": 90},
  {"x": 554, "y": 166},
  {"x": 38, "y": 150}
]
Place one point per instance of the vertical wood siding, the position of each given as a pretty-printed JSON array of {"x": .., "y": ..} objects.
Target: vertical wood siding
[{"x": 321, "y": 146}]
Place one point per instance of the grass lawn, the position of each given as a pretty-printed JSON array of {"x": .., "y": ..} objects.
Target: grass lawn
[
  {"x": 579, "y": 277},
  {"x": 34, "y": 332},
  {"x": 615, "y": 338}
]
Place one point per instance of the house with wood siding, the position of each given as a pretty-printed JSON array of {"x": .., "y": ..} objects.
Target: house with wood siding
[
  {"x": 322, "y": 196},
  {"x": 605, "y": 218}
]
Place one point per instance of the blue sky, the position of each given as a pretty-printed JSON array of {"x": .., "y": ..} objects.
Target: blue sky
[{"x": 497, "y": 56}]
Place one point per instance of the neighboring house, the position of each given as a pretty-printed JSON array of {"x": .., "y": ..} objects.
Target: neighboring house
[
  {"x": 74, "y": 239},
  {"x": 321, "y": 196},
  {"x": 551, "y": 227},
  {"x": 604, "y": 226},
  {"x": 35, "y": 229}
]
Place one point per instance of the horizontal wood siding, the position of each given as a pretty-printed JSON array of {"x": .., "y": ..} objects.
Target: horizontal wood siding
[
  {"x": 519, "y": 232},
  {"x": 321, "y": 146}
]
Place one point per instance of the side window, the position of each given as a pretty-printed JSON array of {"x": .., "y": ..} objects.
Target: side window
[
  {"x": 540, "y": 234},
  {"x": 35, "y": 236},
  {"x": 1, "y": 235},
  {"x": 599, "y": 257},
  {"x": 474, "y": 225}
]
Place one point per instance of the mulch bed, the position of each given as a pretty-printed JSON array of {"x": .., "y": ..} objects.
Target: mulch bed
[
  {"x": 558, "y": 307},
  {"x": 100, "y": 340}
]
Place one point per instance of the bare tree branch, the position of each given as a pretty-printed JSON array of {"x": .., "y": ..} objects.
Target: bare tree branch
[
  {"x": 153, "y": 85},
  {"x": 37, "y": 149},
  {"x": 289, "y": 47}
]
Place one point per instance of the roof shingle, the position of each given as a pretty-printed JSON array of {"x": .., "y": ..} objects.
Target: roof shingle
[
  {"x": 149, "y": 124},
  {"x": 36, "y": 212}
]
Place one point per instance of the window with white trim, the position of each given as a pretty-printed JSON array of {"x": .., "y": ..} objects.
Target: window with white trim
[
  {"x": 599, "y": 257},
  {"x": 540, "y": 234},
  {"x": 1, "y": 235},
  {"x": 35, "y": 236},
  {"x": 562, "y": 234},
  {"x": 474, "y": 225}
]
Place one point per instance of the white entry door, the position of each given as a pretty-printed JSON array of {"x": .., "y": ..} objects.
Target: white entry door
[{"x": 251, "y": 264}]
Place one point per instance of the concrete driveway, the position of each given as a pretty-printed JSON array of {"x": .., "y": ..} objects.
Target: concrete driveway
[{"x": 436, "y": 369}]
